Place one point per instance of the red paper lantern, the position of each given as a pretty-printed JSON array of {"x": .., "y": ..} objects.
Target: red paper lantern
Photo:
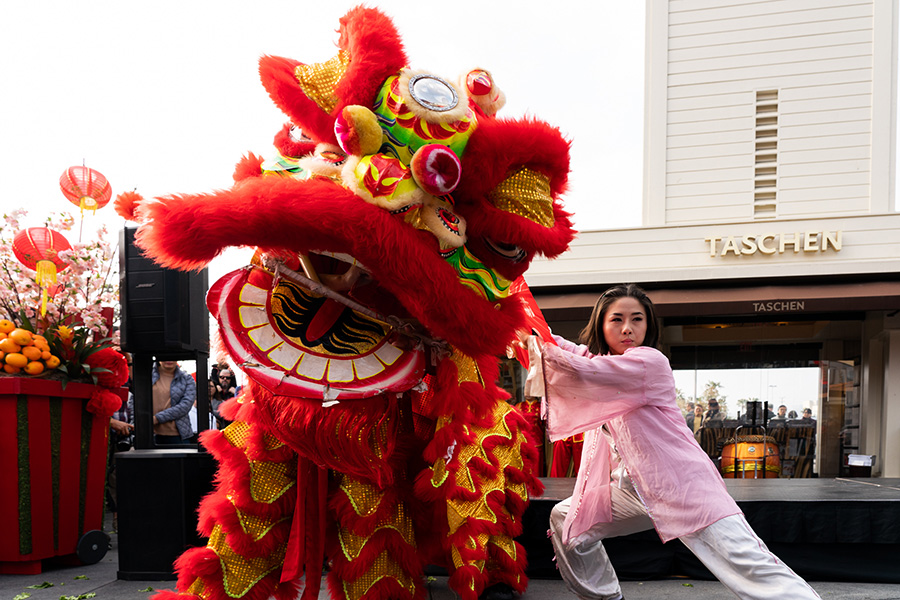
[
  {"x": 38, "y": 248},
  {"x": 86, "y": 188}
]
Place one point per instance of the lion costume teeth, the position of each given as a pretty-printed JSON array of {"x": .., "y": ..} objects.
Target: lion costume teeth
[{"x": 390, "y": 226}]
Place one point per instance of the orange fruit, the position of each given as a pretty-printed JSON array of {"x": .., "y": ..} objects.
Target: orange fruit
[
  {"x": 11, "y": 369},
  {"x": 7, "y": 345},
  {"x": 6, "y": 325},
  {"x": 21, "y": 336},
  {"x": 2, "y": 354},
  {"x": 52, "y": 362},
  {"x": 34, "y": 368},
  {"x": 45, "y": 354},
  {"x": 32, "y": 352},
  {"x": 2, "y": 336},
  {"x": 15, "y": 359}
]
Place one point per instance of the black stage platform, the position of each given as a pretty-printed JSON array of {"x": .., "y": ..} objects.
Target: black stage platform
[{"x": 824, "y": 529}]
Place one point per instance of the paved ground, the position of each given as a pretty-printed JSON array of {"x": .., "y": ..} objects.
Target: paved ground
[{"x": 100, "y": 579}]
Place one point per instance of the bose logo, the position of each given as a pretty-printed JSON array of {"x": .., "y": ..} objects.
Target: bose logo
[{"x": 145, "y": 285}]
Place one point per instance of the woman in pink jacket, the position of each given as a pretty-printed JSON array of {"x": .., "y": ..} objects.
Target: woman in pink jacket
[{"x": 641, "y": 467}]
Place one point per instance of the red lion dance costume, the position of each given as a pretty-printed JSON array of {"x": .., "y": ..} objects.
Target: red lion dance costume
[{"x": 388, "y": 229}]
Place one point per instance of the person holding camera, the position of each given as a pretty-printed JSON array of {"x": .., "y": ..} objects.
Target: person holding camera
[
  {"x": 713, "y": 416},
  {"x": 226, "y": 385}
]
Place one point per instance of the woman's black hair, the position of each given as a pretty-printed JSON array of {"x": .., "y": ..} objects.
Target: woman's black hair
[{"x": 592, "y": 334}]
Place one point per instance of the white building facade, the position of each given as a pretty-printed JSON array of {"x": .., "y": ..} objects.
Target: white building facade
[{"x": 769, "y": 234}]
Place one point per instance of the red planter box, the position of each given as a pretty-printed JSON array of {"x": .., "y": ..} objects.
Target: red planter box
[{"x": 52, "y": 470}]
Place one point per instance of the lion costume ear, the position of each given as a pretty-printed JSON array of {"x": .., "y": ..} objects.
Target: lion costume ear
[
  {"x": 514, "y": 174},
  {"x": 369, "y": 52}
]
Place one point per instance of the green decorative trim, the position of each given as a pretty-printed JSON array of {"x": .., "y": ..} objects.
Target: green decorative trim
[
  {"x": 55, "y": 442},
  {"x": 25, "y": 533},
  {"x": 86, "y": 425},
  {"x": 474, "y": 274}
]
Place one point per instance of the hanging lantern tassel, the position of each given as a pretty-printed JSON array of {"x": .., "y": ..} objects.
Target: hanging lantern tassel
[
  {"x": 46, "y": 276},
  {"x": 86, "y": 202}
]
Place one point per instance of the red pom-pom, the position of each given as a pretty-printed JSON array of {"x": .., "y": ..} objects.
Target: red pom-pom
[
  {"x": 116, "y": 373},
  {"x": 103, "y": 403},
  {"x": 126, "y": 203}
]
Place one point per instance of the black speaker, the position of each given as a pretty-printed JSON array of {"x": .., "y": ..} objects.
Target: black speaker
[
  {"x": 158, "y": 492},
  {"x": 163, "y": 310}
]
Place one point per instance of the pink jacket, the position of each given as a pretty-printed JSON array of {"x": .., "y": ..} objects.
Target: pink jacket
[{"x": 634, "y": 395}]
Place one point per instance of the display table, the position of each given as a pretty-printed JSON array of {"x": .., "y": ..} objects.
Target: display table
[{"x": 52, "y": 473}]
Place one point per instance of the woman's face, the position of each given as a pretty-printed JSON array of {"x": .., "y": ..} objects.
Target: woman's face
[{"x": 624, "y": 325}]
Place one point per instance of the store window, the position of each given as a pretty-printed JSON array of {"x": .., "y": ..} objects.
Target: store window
[
  {"x": 806, "y": 369},
  {"x": 732, "y": 403},
  {"x": 813, "y": 412}
]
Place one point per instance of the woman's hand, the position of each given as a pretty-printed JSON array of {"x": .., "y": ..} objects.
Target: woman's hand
[{"x": 523, "y": 335}]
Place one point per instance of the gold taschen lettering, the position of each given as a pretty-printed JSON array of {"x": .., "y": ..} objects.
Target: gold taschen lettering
[
  {"x": 771, "y": 243},
  {"x": 833, "y": 239},
  {"x": 811, "y": 241},
  {"x": 749, "y": 244},
  {"x": 731, "y": 246},
  {"x": 319, "y": 80},
  {"x": 761, "y": 242},
  {"x": 785, "y": 241},
  {"x": 525, "y": 193}
]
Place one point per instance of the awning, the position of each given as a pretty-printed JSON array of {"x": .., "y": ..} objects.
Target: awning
[{"x": 751, "y": 300}]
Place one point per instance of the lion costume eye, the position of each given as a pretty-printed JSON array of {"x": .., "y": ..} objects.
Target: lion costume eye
[
  {"x": 510, "y": 252},
  {"x": 296, "y": 134}
]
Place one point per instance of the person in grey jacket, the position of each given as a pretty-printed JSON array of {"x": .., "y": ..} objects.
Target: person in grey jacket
[{"x": 174, "y": 393}]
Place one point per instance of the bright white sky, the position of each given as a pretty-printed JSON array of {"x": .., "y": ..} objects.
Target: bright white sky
[{"x": 164, "y": 97}]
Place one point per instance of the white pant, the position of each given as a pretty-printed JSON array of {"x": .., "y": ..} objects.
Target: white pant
[{"x": 729, "y": 548}]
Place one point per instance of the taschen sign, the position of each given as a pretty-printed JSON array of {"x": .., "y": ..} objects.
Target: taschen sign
[{"x": 775, "y": 243}]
